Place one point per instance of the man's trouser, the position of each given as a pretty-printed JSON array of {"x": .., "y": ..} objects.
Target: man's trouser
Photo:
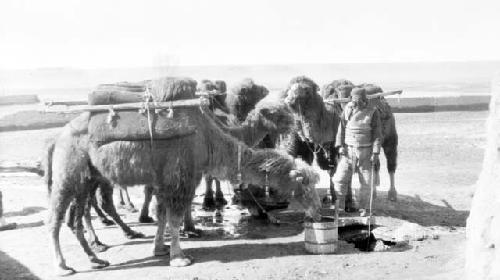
[{"x": 357, "y": 159}]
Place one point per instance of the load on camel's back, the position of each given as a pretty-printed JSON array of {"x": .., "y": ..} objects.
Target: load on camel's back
[
  {"x": 173, "y": 164},
  {"x": 342, "y": 89}
]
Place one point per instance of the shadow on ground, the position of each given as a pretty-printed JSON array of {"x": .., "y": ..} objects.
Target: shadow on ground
[
  {"x": 226, "y": 254},
  {"x": 12, "y": 269},
  {"x": 26, "y": 211},
  {"x": 414, "y": 209}
]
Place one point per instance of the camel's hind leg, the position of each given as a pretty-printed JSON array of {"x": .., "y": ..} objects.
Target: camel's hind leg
[
  {"x": 391, "y": 154},
  {"x": 59, "y": 202},
  {"x": 95, "y": 243},
  {"x": 81, "y": 202},
  {"x": 160, "y": 249}
]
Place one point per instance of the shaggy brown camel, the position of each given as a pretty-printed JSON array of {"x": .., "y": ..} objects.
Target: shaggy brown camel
[
  {"x": 174, "y": 167},
  {"x": 342, "y": 88},
  {"x": 317, "y": 125}
]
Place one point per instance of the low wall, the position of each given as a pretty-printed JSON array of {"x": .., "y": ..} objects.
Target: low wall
[
  {"x": 19, "y": 99},
  {"x": 441, "y": 103}
]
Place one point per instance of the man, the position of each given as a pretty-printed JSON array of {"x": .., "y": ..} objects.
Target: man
[{"x": 359, "y": 138}]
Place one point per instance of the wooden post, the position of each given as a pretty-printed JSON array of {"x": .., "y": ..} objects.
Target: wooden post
[{"x": 483, "y": 224}]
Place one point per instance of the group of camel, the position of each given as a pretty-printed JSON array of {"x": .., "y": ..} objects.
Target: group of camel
[{"x": 234, "y": 140}]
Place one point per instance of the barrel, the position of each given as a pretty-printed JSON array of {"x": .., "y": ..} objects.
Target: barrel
[{"x": 321, "y": 237}]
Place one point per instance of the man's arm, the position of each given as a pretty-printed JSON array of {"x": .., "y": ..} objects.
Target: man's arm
[{"x": 376, "y": 132}]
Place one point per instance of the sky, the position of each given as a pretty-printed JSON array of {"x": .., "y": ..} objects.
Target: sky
[{"x": 126, "y": 33}]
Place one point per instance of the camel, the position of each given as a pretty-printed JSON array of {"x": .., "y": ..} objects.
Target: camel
[
  {"x": 174, "y": 168},
  {"x": 317, "y": 124},
  {"x": 342, "y": 89}
]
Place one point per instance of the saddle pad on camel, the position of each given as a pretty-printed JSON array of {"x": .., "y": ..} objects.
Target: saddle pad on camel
[{"x": 134, "y": 126}]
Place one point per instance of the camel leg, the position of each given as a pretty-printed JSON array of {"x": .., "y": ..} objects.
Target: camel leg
[
  {"x": 144, "y": 216},
  {"x": 177, "y": 257},
  {"x": 102, "y": 217},
  {"x": 189, "y": 227},
  {"x": 59, "y": 201},
  {"x": 105, "y": 199},
  {"x": 393, "y": 194},
  {"x": 93, "y": 240},
  {"x": 81, "y": 202},
  {"x": 160, "y": 249},
  {"x": 208, "y": 201},
  {"x": 220, "y": 201},
  {"x": 125, "y": 201},
  {"x": 391, "y": 154}
]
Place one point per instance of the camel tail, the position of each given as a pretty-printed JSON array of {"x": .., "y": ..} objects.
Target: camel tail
[{"x": 47, "y": 164}]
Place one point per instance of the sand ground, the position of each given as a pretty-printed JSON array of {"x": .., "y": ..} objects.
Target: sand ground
[{"x": 440, "y": 159}]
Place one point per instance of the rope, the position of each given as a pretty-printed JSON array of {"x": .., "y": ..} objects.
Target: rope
[
  {"x": 372, "y": 181},
  {"x": 150, "y": 122}
]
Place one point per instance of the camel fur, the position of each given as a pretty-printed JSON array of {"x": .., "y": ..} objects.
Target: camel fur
[{"x": 173, "y": 167}]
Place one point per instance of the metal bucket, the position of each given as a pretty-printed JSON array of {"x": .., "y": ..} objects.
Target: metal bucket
[{"x": 321, "y": 237}]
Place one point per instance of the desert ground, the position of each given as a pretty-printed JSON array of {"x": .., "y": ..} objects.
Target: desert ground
[{"x": 440, "y": 157}]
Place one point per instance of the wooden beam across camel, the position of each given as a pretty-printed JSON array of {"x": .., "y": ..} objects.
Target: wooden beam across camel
[
  {"x": 372, "y": 96},
  {"x": 185, "y": 103}
]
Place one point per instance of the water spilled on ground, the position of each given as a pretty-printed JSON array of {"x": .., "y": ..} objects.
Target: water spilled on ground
[{"x": 235, "y": 222}]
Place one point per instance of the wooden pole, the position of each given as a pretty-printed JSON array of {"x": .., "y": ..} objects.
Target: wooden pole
[
  {"x": 186, "y": 103},
  {"x": 372, "y": 96}
]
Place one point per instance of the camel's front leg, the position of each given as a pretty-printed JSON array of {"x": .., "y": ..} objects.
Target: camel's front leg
[
  {"x": 220, "y": 201},
  {"x": 208, "y": 200},
  {"x": 177, "y": 257},
  {"x": 148, "y": 195},
  {"x": 125, "y": 201}
]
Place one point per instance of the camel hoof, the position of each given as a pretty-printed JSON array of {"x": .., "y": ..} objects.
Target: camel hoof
[
  {"x": 98, "y": 263},
  {"x": 146, "y": 220},
  {"x": 181, "y": 261},
  {"x": 98, "y": 247},
  {"x": 64, "y": 271},
  {"x": 134, "y": 235},
  {"x": 107, "y": 222},
  {"x": 393, "y": 196},
  {"x": 220, "y": 202},
  {"x": 208, "y": 204},
  {"x": 163, "y": 251},
  {"x": 192, "y": 233}
]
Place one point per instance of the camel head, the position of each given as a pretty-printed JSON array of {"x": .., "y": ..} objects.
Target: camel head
[
  {"x": 272, "y": 115},
  {"x": 338, "y": 89},
  {"x": 284, "y": 174},
  {"x": 302, "y": 95},
  {"x": 306, "y": 179},
  {"x": 243, "y": 97}
]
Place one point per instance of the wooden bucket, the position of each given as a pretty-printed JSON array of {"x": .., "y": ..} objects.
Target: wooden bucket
[{"x": 321, "y": 237}]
